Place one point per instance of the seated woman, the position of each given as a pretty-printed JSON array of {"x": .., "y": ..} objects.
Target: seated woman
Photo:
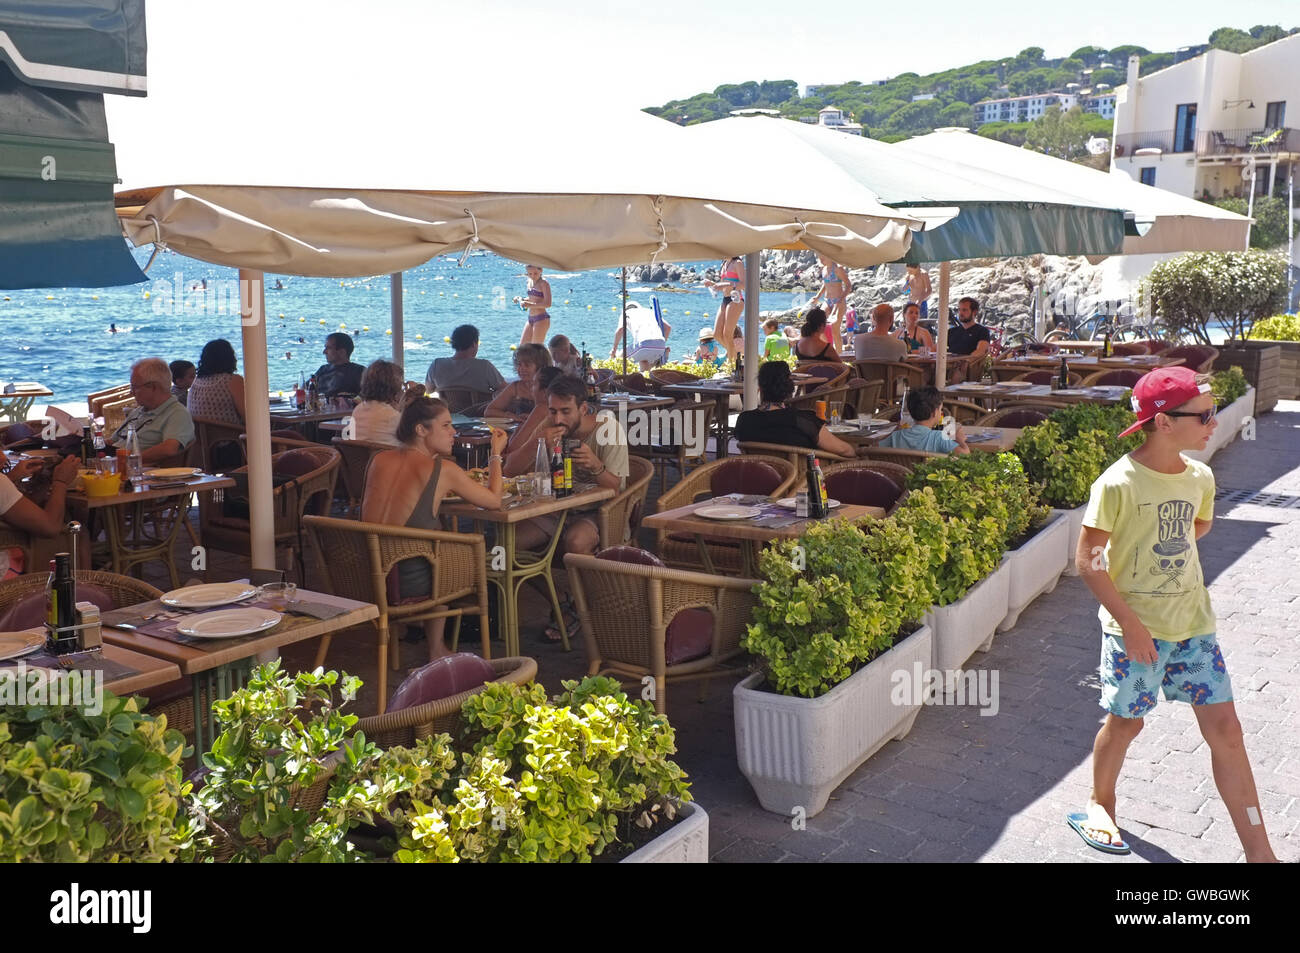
[
  {"x": 774, "y": 422},
  {"x": 405, "y": 486},
  {"x": 217, "y": 392},
  {"x": 21, "y": 513},
  {"x": 925, "y": 404},
  {"x": 383, "y": 395},
  {"x": 521, "y": 449},
  {"x": 516, "y": 399},
  {"x": 916, "y": 337},
  {"x": 812, "y": 344}
]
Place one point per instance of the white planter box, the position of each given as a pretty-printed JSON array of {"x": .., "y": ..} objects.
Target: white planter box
[
  {"x": 686, "y": 842},
  {"x": 796, "y": 751},
  {"x": 969, "y": 624},
  {"x": 1035, "y": 567},
  {"x": 1076, "y": 527},
  {"x": 1230, "y": 420}
]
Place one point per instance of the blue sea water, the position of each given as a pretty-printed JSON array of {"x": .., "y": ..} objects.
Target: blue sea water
[{"x": 61, "y": 338}]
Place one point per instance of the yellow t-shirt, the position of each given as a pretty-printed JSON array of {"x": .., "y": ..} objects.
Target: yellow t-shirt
[{"x": 1151, "y": 554}]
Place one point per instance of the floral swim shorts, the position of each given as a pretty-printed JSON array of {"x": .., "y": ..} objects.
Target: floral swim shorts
[{"x": 1191, "y": 670}]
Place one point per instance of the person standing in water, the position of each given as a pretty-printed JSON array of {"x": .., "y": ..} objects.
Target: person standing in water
[
  {"x": 536, "y": 299},
  {"x": 835, "y": 290},
  {"x": 731, "y": 283}
]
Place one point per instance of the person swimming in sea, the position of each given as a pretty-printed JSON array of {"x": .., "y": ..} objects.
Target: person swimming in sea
[{"x": 112, "y": 327}]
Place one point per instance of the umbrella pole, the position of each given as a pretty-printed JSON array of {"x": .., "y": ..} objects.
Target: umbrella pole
[
  {"x": 941, "y": 330},
  {"x": 752, "y": 266},
  {"x": 624, "y": 322},
  {"x": 397, "y": 320},
  {"x": 261, "y": 517}
]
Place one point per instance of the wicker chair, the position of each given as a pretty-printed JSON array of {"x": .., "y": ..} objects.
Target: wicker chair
[
  {"x": 115, "y": 413},
  {"x": 618, "y": 518},
  {"x": 862, "y": 397},
  {"x": 1154, "y": 346},
  {"x": 635, "y": 614},
  {"x": 767, "y": 476},
  {"x": 1121, "y": 377},
  {"x": 829, "y": 372},
  {"x": 1129, "y": 349},
  {"x": 217, "y": 444},
  {"x": 890, "y": 373},
  {"x": 409, "y": 725},
  {"x": 356, "y": 456},
  {"x": 361, "y": 555},
  {"x": 95, "y": 402},
  {"x": 824, "y": 393},
  {"x": 964, "y": 412},
  {"x": 459, "y": 400},
  {"x": 864, "y": 483},
  {"x": 679, "y": 454},
  {"x": 661, "y": 376},
  {"x": 1017, "y": 415},
  {"x": 307, "y": 491},
  {"x": 1045, "y": 376},
  {"x": 904, "y": 458},
  {"x": 1198, "y": 357},
  {"x": 794, "y": 454},
  {"x": 634, "y": 383}
]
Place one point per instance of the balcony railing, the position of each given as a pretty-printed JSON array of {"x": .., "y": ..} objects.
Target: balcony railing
[
  {"x": 1233, "y": 142},
  {"x": 1131, "y": 142}
]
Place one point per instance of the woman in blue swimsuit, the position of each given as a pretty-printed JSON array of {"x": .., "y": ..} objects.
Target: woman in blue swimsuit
[
  {"x": 835, "y": 289},
  {"x": 536, "y": 299},
  {"x": 731, "y": 282}
]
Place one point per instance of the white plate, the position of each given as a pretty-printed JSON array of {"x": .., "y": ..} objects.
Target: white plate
[
  {"x": 844, "y": 428},
  {"x": 212, "y": 594},
  {"x": 874, "y": 422},
  {"x": 1069, "y": 390},
  {"x": 1017, "y": 384},
  {"x": 790, "y": 503},
  {"x": 228, "y": 623},
  {"x": 172, "y": 473},
  {"x": 16, "y": 644},
  {"x": 728, "y": 512}
]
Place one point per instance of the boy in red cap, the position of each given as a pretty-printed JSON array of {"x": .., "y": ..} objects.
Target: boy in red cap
[{"x": 1145, "y": 514}]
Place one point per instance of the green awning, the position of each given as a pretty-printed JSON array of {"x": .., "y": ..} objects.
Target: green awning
[{"x": 95, "y": 46}]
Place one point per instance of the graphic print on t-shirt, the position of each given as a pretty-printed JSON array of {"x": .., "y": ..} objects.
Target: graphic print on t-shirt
[{"x": 1168, "y": 560}]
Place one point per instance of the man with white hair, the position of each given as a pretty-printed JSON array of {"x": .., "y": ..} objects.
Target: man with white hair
[{"x": 162, "y": 426}]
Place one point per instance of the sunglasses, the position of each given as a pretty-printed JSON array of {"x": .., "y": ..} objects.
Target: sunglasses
[{"x": 1205, "y": 415}]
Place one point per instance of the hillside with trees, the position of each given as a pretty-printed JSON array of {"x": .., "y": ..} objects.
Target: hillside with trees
[{"x": 888, "y": 109}]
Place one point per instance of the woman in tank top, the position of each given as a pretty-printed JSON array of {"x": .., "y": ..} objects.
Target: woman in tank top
[
  {"x": 516, "y": 399},
  {"x": 405, "y": 486},
  {"x": 217, "y": 392}
]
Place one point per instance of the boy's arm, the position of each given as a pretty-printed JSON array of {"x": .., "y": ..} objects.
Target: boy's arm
[
  {"x": 1138, "y": 643},
  {"x": 1203, "y": 527}
]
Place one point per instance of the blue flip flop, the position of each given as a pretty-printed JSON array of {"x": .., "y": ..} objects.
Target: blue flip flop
[{"x": 1079, "y": 819}]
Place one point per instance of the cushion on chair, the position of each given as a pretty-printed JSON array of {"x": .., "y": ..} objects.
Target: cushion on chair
[
  {"x": 15, "y": 433},
  {"x": 29, "y": 612},
  {"x": 745, "y": 476},
  {"x": 297, "y": 463},
  {"x": 441, "y": 678},
  {"x": 690, "y": 633},
  {"x": 862, "y": 487},
  {"x": 1022, "y": 418}
]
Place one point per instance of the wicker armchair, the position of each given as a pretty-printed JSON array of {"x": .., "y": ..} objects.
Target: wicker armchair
[
  {"x": 1129, "y": 349},
  {"x": 1198, "y": 357},
  {"x": 1121, "y": 377},
  {"x": 634, "y": 383},
  {"x": 828, "y": 372},
  {"x": 618, "y": 518},
  {"x": 459, "y": 399},
  {"x": 95, "y": 402},
  {"x": 218, "y": 446},
  {"x": 409, "y": 725},
  {"x": 828, "y": 393},
  {"x": 794, "y": 454},
  {"x": 1017, "y": 415},
  {"x": 1154, "y": 346},
  {"x": 862, "y": 397},
  {"x": 312, "y": 470},
  {"x": 635, "y": 615},
  {"x": 863, "y": 482},
  {"x": 964, "y": 412},
  {"x": 660, "y": 376},
  {"x": 115, "y": 413},
  {"x": 1046, "y": 376},
  {"x": 767, "y": 476},
  {"x": 904, "y": 458},
  {"x": 890, "y": 373},
  {"x": 678, "y": 454},
  {"x": 356, "y": 456},
  {"x": 360, "y": 557}
]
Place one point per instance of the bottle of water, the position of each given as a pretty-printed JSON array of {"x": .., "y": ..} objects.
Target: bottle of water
[
  {"x": 542, "y": 468},
  {"x": 134, "y": 464},
  {"x": 904, "y": 417}
]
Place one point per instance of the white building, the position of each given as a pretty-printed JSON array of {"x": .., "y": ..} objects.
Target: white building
[
  {"x": 1098, "y": 101},
  {"x": 1204, "y": 127},
  {"x": 1020, "y": 108},
  {"x": 834, "y": 119}
]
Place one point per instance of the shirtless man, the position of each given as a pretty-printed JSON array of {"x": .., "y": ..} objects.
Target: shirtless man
[
  {"x": 918, "y": 288},
  {"x": 536, "y": 300}
]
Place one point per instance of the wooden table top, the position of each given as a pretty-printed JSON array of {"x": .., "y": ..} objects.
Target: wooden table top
[
  {"x": 197, "y": 485},
  {"x": 200, "y": 656},
  {"x": 541, "y": 506},
  {"x": 1036, "y": 392},
  {"x": 290, "y": 415},
  {"x": 1078, "y": 345},
  {"x": 1004, "y": 438},
  {"x": 28, "y": 389},
  {"x": 635, "y": 402},
  {"x": 718, "y": 387},
  {"x": 146, "y": 671},
  {"x": 683, "y": 520},
  {"x": 1139, "y": 362}
]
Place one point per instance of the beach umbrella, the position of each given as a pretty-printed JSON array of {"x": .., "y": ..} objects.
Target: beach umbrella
[{"x": 57, "y": 168}]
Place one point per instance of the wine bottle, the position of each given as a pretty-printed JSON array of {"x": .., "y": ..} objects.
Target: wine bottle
[
  {"x": 542, "y": 468},
  {"x": 1063, "y": 380},
  {"x": 61, "y": 606},
  {"x": 87, "y": 446},
  {"x": 816, "y": 506},
  {"x": 821, "y": 486}
]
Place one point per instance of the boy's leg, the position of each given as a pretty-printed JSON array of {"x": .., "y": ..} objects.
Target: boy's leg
[
  {"x": 1233, "y": 777},
  {"x": 1108, "y": 751}
]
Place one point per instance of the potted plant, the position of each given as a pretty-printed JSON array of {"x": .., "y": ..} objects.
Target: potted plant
[
  {"x": 1235, "y": 399},
  {"x": 1282, "y": 330},
  {"x": 838, "y": 619},
  {"x": 81, "y": 788}
]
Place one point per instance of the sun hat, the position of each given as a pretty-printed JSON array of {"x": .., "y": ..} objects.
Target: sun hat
[
  {"x": 1163, "y": 389},
  {"x": 706, "y": 334}
]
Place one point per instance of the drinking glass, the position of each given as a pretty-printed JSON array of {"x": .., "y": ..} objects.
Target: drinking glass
[
  {"x": 837, "y": 412},
  {"x": 525, "y": 488},
  {"x": 280, "y": 595}
]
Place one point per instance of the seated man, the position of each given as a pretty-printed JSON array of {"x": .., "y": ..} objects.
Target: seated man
[
  {"x": 338, "y": 375},
  {"x": 601, "y": 459},
  {"x": 465, "y": 368},
  {"x": 879, "y": 342},
  {"x": 970, "y": 338},
  {"x": 162, "y": 426},
  {"x": 926, "y": 433}
]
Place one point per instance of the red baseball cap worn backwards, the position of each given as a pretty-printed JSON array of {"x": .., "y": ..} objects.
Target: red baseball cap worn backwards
[{"x": 1161, "y": 390}]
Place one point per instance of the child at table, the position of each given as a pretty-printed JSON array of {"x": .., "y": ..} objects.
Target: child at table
[
  {"x": 776, "y": 346},
  {"x": 926, "y": 407}
]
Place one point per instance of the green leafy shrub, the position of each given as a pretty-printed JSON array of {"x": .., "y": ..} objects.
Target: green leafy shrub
[
  {"x": 77, "y": 788},
  {"x": 1190, "y": 291},
  {"x": 1064, "y": 469},
  {"x": 1280, "y": 327},
  {"x": 1228, "y": 385},
  {"x": 1270, "y": 215}
]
